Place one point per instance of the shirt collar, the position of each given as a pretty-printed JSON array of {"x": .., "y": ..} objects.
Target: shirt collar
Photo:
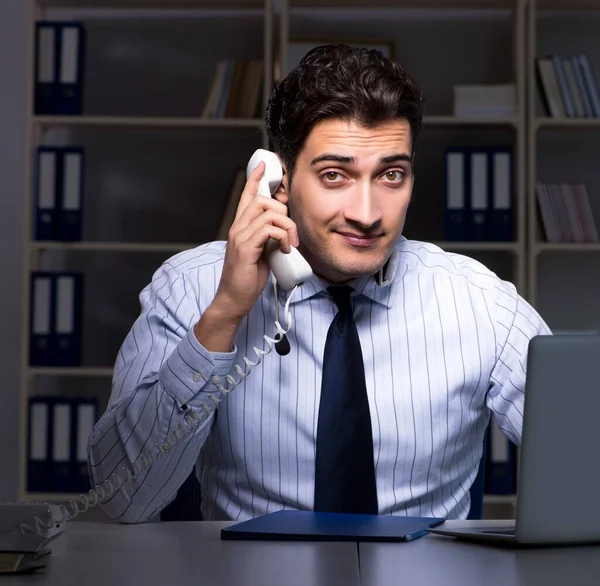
[{"x": 367, "y": 285}]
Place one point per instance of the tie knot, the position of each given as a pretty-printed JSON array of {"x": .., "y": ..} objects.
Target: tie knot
[{"x": 341, "y": 296}]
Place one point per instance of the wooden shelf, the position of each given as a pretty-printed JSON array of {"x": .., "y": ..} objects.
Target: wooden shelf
[
  {"x": 547, "y": 122},
  {"x": 85, "y": 371},
  {"x": 469, "y": 121},
  {"x": 113, "y": 246},
  {"x": 148, "y": 122},
  {"x": 568, "y": 5},
  {"x": 258, "y": 123},
  {"x": 153, "y": 4},
  {"x": 479, "y": 246},
  {"x": 407, "y": 4},
  {"x": 542, "y": 247}
]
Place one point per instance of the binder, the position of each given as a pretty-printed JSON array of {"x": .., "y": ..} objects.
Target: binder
[
  {"x": 62, "y": 431},
  {"x": 71, "y": 183},
  {"x": 503, "y": 200},
  {"x": 46, "y": 194},
  {"x": 47, "y": 50},
  {"x": 56, "y": 310},
  {"x": 85, "y": 412},
  {"x": 68, "y": 320},
  {"x": 41, "y": 309},
  {"x": 58, "y": 433},
  {"x": 455, "y": 212},
  {"x": 39, "y": 462},
  {"x": 502, "y": 463},
  {"x": 71, "y": 68},
  {"x": 290, "y": 525},
  {"x": 479, "y": 223}
]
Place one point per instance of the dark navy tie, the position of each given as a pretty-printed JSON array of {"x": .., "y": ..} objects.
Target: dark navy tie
[{"x": 344, "y": 470}]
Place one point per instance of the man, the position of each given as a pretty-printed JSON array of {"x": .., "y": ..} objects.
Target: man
[{"x": 382, "y": 402}]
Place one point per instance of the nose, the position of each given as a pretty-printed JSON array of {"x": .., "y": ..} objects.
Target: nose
[{"x": 362, "y": 207}]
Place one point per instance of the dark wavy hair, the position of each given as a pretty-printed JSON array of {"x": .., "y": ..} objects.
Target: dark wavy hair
[{"x": 342, "y": 82}]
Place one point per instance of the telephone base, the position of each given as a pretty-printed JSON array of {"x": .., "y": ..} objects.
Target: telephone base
[{"x": 13, "y": 514}]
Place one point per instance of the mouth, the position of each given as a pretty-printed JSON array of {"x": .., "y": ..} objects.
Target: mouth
[{"x": 359, "y": 240}]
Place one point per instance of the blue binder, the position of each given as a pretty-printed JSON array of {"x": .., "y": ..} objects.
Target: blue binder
[
  {"x": 68, "y": 319},
  {"x": 56, "y": 316},
  {"x": 61, "y": 445},
  {"x": 288, "y": 525},
  {"x": 39, "y": 441},
  {"x": 85, "y": 415},
  {"x": 502, "y": 195},
  {"x": 58, "y": 433},
  {"x": 46, "y": 62},
  {"x": 479, "y": 187},
  {"x": 71, "y": 186},
  {"x": 41, "y": 311},
  {"x": 71, "y": 68},
  {"x": 47, "y": 185},
  {"x": 457, "y": 172}
]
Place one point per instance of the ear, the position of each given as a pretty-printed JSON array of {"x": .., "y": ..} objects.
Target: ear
[{"x": 282, "y": 191}]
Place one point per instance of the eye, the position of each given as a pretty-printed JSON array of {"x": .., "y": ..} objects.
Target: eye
[
  {"x": 394, "y": 175},
  {"x": 331, "y": 175}
]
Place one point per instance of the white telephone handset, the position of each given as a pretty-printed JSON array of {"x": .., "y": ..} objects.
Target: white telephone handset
[{"x": 291, "y": 268}]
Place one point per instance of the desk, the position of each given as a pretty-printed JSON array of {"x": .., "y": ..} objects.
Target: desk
[
  {"x": 444, "y": 561},
  {"x": 181, "y": 554}
]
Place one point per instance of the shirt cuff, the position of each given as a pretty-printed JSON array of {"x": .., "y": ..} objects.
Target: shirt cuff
[{"x": 191, "y": 366}]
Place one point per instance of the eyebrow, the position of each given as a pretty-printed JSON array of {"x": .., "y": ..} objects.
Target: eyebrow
[{"x": 351, "y": 161}]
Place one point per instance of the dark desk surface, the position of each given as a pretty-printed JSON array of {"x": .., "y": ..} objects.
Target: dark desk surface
[
  {"x": 177, "y": 554},
  {"x": 181, "y": 554},
  {"x": 444, "y": 561}
]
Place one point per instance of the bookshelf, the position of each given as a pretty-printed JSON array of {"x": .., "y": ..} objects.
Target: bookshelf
[
  {"x": 145, "y": 122},
  {"x": 159, "y": 138},
  {"x": 122, "y": 130},
  {"x": 563, "y": 278}
]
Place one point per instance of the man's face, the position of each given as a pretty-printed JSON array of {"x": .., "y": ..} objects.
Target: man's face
[{"x": 349, "y": 196}]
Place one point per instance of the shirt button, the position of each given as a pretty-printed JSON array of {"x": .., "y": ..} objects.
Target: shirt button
[
  {"x": 197, "y": 377},
  {"x": 215, "y": 379}
]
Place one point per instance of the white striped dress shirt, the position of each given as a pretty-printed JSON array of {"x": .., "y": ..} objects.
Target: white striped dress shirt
[{"x": 444, "y": 346}]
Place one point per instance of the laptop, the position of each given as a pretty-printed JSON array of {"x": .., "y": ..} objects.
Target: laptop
[{"x": 558, "y": 473}]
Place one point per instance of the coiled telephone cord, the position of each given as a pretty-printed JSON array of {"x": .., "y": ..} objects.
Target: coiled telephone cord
[{"x": 193, "y": 418}]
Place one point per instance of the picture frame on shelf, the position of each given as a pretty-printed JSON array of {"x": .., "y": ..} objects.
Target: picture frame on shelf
[{"x": 297, "y": 47}]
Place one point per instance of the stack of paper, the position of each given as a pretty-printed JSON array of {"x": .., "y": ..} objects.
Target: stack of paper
[{"x": 487, "y": 101}]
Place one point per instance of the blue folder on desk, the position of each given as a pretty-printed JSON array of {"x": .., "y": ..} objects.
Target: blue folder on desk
[{"x": 287, "y": 525}]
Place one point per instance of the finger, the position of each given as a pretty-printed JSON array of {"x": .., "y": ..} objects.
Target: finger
[
  {"x": 250, "y": 189},
  {"x": 259, "y": 239},
  {"x": 257, "y": 207},
  {"x": 275, "y": 220}
]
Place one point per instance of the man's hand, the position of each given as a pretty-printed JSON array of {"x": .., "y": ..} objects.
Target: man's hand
[{"x": 245, "y": 270}]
